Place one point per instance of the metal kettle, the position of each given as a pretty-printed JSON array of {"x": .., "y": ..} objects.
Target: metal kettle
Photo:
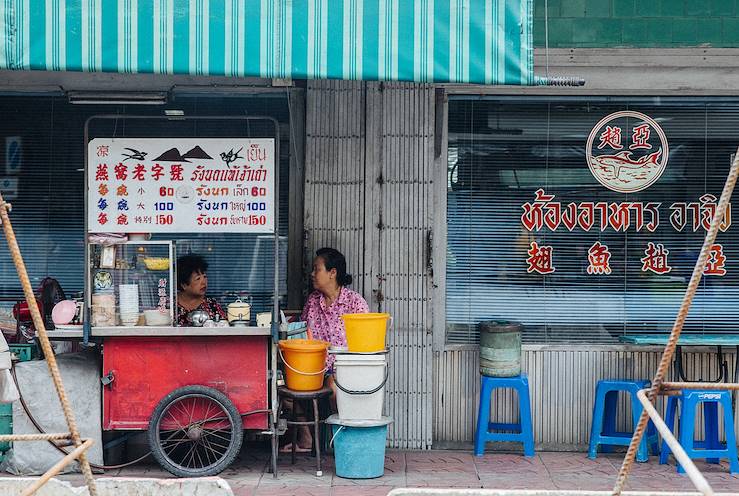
[{"x": 198, "y": 317}]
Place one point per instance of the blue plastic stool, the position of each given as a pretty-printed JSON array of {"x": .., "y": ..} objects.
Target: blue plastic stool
[
  {"x": 603, "y": 429},
  {"x": 521, "y": 432},
  {"x": 711, "y": 449}
]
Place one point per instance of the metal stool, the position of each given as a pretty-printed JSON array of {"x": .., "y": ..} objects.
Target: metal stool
[{"x": 305, "y": 396}]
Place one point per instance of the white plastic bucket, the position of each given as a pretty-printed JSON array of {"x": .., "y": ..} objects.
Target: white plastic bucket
[{"x": 360, "y": 385}]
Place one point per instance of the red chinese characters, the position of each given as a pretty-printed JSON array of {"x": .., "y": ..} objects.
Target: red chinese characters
[
  {"x": 122, "y": 220},
  {"x": 139, "y": 172},
  {"x": 640, "y": 138},
  {"x": 655, "y": 259},
  {"x": 103, "y": 189},
  {"x": 102, "y": 218},
  {"x": 175, "y": 172},
  {"x": 716, "y": 261},
  {"x": 121, "y": 190},
  {"x": 101, "y": 173},
  {"x": 611, "y": 137},
  {"x": 540, "y": 259},
  {"x": 599, "y": 259},
  {"x": 121, "y": 172},
  {"x": 157, "y": 171}
]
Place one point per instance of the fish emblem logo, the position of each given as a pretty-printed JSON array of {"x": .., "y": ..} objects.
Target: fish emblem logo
[{"x": 627, "y": 151}]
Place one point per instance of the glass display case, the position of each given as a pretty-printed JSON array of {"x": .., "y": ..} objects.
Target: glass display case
[{"x": 131, "y": 284}]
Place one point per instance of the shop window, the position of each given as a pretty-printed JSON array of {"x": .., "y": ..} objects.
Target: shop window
[
  {"x": 501, "y": 151},
  {"x": 42, "y": 175}
]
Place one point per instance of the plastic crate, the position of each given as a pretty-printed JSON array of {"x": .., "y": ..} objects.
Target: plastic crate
[
  {"x": 6, "y": 424},
  {"x": 24, "y": 352}
]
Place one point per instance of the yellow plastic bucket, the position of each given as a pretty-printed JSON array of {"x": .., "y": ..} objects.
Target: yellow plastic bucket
[
  {"x": 365, "y": 332},
  {"x": 305, "y": 363}
]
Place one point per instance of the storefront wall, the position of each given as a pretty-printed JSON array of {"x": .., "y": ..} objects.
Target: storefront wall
[
  {"x": 351, "y": 196},
  {"x": 563, "y": 376}
]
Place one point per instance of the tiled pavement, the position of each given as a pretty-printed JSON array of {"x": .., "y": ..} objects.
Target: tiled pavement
[{"x": 443, "y": 469}]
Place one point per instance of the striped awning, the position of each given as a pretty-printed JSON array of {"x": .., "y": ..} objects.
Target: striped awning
[{"x": 464, "y": 41}]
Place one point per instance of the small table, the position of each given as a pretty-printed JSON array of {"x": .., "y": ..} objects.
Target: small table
[{"x": 718, "y": 340}]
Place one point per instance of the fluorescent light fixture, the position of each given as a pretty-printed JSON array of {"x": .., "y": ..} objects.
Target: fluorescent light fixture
[
  {"x": 175, "y": 114},
  {"x": 117, "y": 98}
]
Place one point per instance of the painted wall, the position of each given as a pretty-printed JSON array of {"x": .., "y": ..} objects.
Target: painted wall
[{"x": 638, "y": 23}]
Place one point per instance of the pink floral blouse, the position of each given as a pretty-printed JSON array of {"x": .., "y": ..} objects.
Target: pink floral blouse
[{"x": 325, "y": 322}]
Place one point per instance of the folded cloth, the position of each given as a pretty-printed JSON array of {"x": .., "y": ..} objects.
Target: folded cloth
[{"x": 8, "y": 391}]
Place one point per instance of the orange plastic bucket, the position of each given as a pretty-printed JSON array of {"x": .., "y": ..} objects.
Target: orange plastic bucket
[
  {"x": 305, "y": 363},
  {"x": 365, "y": 332}
]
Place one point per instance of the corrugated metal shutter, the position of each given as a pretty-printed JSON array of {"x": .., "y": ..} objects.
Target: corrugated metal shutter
[
  {"x": 334, "y": 175},
  {"x": 367, "y": 193},
  {"x": 404, "y": 282}
]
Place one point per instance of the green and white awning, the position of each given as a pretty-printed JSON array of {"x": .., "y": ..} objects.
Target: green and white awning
[{"x": 464, "y": 41}]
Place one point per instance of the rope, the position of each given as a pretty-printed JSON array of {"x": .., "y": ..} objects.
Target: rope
[
  {"x": 38, "y": 323},
  {"x": 669, "y": 352},
  {"x": 34, "y": 437}
]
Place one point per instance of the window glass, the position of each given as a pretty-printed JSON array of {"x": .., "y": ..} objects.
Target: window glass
[
  {"x": 550, "y": 274},
  {"x": 44, "y": 180}
]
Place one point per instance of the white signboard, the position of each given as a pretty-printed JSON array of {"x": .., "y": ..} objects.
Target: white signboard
[{"x": 142, "y": 185}]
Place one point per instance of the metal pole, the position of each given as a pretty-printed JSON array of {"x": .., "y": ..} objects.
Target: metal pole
[
  {"x": 664, "y": 364},
  {"x": 683, "y": 459}
]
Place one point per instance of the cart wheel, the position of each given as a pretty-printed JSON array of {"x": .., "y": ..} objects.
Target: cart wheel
[{"x": 195, "y": 431}]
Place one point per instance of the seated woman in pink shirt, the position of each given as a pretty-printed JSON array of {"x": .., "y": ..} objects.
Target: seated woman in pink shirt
[
  {"x": 331, "y": 299},
  {"x": 323, "y": 310}
]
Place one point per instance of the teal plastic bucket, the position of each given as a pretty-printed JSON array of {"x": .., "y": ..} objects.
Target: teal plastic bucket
[{"x": 359, "y": 447}]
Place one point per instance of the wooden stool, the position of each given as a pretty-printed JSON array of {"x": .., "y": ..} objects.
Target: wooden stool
[{"x": 305, "y": 396}]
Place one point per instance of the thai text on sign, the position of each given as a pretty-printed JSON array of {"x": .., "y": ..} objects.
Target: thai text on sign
[
  {"x": 181, "y": 185},
  {"x": 544, "y": 212}
]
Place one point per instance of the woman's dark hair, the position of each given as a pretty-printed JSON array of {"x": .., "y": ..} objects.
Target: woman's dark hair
[
  {"x": 187, "y": 265},
  {"x": 333, "y": 259}
]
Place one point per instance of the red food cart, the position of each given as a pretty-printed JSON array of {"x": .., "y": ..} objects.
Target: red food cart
[{"x": 193, "y": 389}]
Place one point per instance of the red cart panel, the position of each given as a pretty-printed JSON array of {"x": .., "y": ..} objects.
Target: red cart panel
[{"x": 146, "y": 369}]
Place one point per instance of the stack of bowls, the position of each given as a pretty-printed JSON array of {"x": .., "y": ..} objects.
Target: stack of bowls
[{"x": 128, "y": 304}]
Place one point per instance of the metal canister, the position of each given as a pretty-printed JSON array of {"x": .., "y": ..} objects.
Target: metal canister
[{"x": 500, "y": 348}]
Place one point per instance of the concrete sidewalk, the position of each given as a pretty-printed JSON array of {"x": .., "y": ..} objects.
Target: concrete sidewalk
[{"x": 444, "y": 469}]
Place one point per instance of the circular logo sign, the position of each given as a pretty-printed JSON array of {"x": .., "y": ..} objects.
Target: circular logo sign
[{"x": 627, "y": 151}]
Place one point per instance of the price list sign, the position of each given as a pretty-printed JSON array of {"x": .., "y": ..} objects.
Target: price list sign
[{"x": 140, "y": 185}]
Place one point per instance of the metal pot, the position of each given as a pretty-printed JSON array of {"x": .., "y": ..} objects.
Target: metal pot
[
  {"x": 238, "y": 310},
  {"x": 240, "y": 323},
  {"x": 198, "y": 317}
]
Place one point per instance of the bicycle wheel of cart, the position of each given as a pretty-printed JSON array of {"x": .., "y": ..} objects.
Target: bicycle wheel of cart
[{"x": 195, "y": 431}]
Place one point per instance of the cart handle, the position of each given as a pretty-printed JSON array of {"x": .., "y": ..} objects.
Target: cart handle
[
  {"x": 323, "y": 371},
  {"x": 371, "y": 391}
]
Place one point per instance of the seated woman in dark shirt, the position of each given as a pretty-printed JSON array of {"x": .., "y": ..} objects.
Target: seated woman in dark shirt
[{"x": 192, "y": 284}]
